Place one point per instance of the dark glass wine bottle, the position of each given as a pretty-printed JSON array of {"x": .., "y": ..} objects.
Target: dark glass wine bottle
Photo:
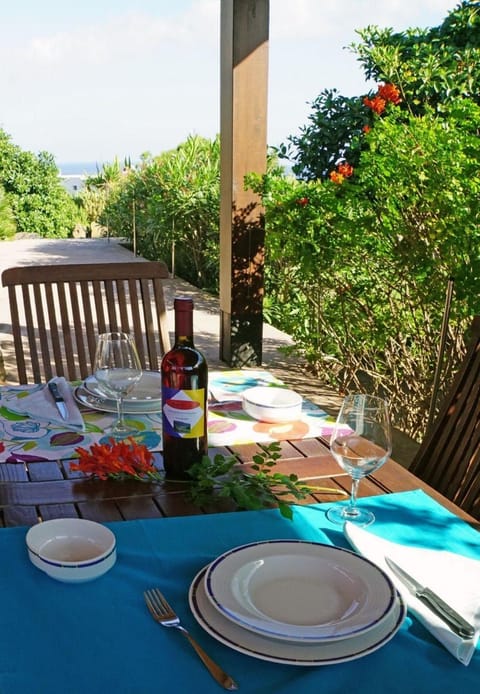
[{"x": 184, "y": 398}]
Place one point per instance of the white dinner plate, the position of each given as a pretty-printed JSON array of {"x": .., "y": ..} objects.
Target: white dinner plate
[
  {"x": 148, "y": 389},
  {"x": 290, "y": 653},
  {"x": 302, "y": 591},
  {"x": 103, "y": 404}
]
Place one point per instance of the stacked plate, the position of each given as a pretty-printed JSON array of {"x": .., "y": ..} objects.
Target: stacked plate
[
  {"x": 145, "y": 397},
  {"x": 296, "y": 602}
]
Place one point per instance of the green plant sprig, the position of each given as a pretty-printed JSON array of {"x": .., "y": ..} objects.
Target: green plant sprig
[{"x": 223, "y": 478}]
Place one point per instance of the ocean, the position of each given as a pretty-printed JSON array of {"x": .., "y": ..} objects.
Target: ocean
[{"x": 79, "y": 168}]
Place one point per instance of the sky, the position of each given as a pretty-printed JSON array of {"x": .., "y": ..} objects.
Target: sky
[{"x": 92, "y": 80}]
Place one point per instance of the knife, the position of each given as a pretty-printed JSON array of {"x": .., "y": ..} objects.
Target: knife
[
  {"x": 454, "y": 620},
  {"x": 59, "y": 401}
]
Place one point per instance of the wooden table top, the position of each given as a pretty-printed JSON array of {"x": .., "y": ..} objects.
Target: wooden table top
[{"x": 35, "y": 491}]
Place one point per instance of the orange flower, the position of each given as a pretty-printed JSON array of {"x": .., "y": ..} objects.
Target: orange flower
[
  {"x": 385, "y": 93},
  {"x": 377, "y": 104},
  {"x": 336, "y": 177},
  {"x": 118, "y": 460},
  {"x": 366, "y": 129},
  {"x": 345, "y": 169},
  {"x": 302, "y": 201},
  {"x": 389, "y": 92}
]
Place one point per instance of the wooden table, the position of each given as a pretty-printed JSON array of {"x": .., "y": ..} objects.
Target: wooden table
[{"x": 44, "y": 490}]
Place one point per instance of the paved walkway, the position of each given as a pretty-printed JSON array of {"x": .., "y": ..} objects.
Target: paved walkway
[
  {"x": 206, "y": 318},
  {"x": 51, "y": 251}
]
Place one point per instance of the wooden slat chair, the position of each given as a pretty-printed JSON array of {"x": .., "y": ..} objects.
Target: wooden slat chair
[
  {"x": 61, "y": 309},
  {"x": 449, "y": 456}
]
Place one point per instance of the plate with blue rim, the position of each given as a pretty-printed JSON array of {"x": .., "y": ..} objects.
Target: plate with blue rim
[
  {"x": 299, "y": 591},
  {"x": 261, "y": 646}
]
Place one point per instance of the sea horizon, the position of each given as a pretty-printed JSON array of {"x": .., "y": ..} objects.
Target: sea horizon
[{"x": 79, "y": 168}]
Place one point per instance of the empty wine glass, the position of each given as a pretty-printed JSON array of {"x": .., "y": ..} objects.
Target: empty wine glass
[
  {"x": 361, "y": 442},
  {"x": 117, "y": 369}
]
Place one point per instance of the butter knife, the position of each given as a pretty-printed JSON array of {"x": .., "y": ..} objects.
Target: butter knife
[
  {"x": 59, "y": 401},
  {"x": 454, "y": 620}
]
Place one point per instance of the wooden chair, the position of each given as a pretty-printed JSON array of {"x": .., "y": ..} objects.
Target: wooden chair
[
  {"x": 61, "y": 309},
  {"x": 449, "y": 457}
]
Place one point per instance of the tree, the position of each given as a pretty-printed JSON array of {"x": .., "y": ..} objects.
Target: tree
[
  {"x": 38, "y": 201},
  {"x": 430, "y": 67},
  {"x": 433, "y": 67},
  {"x": 7, "y": 220},
  {"x": 174, "y": 201},
  {"x": 360, "y": 252}
]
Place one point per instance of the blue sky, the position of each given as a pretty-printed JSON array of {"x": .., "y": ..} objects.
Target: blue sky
[{"x": 96, "y": 79}]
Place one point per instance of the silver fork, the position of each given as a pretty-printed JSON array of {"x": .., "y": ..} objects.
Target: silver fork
[{"x": 164, "y": 615}]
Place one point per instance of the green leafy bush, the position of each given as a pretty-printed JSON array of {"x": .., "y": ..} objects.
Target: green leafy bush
[
  {"x": 357, "y": 266},
  {"x": 33, "y": 191},
  {"x": 7, "y": 220},
  {"x": 173, "y": 203},
  {"x": 359, "y": 252}
]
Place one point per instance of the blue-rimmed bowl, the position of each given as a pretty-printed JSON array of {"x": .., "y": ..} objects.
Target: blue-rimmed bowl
[
  {"x": 72, "y": 550},
  {"x": 272, "y": 404}
]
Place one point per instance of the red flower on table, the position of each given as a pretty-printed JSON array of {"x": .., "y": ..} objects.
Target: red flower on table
[{"x": 117, "y": 460}]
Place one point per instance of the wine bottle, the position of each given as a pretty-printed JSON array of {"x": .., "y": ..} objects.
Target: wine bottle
[{"x": 184, "y": 398}]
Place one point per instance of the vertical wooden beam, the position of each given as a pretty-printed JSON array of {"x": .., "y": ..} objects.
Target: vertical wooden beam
[{"x": 243, "y": 132}]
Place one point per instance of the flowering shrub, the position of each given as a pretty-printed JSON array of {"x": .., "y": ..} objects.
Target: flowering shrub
[
  {"x": 117, "y": 460},
  {"x": 358, "y": 276}
]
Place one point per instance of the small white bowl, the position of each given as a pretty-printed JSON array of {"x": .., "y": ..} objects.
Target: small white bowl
[
  {"x": 72, "y": 550},
  {"x": 272, "y": 404}
]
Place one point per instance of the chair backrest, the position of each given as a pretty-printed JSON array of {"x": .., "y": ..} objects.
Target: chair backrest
[
  {"x": 449, "y": 456},
  {"x": 58, "y": 311}
]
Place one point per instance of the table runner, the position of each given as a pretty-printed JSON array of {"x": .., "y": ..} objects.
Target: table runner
[
  {"x": 98, "y": 636},
  {"x": 27, "y": 439}
]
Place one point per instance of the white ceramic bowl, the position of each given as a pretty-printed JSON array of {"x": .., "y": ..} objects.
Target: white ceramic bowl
[
  {"x": 272, "y": 404},
  {"x": 72, "y": 550}
]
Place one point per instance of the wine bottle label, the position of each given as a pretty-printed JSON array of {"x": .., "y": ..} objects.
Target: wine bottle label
[{"x": 183, "y": 412}]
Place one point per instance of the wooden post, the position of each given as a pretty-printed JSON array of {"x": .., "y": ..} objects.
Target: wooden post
[{"x": 243, "y": 132}]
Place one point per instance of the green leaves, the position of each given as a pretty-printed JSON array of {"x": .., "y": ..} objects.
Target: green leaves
[
  {"x": 223, "y": 478},
  {"x": 34, "y": 200},
  {"x": 173, "y": 203},
  {"x": 358, "y": 275}
]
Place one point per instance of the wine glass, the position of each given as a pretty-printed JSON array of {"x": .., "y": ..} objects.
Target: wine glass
[
  {"x": 117, "y": 369},
  {"x": 361, "y": 442}
]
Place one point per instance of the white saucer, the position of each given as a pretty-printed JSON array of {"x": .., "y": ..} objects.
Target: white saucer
[
  {"x": 299, "y": 591},
  {"x": 264, "y": 648}
]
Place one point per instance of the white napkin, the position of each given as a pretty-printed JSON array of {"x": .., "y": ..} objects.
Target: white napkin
[
  {"x": 41, "y": 405},
  {"x": 453, "y": 577}
]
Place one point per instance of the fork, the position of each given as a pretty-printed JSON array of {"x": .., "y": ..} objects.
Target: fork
[{"x": 166, "y": 616}]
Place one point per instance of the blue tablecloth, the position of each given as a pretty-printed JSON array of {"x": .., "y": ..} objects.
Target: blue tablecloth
[{"x": 99, "y": 637}]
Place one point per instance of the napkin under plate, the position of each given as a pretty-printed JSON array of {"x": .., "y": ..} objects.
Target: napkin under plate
[
  {"x": 455, "y": 578},
  {"x": 41, "y": 405}
]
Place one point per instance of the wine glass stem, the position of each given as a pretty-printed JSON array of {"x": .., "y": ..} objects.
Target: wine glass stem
[
  {"x": 120, "y": 423},
  {"x": 352, "y": 506}
]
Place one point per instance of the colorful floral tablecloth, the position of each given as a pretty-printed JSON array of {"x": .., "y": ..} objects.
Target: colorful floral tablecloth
[{"x": 27, "y": 438}]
